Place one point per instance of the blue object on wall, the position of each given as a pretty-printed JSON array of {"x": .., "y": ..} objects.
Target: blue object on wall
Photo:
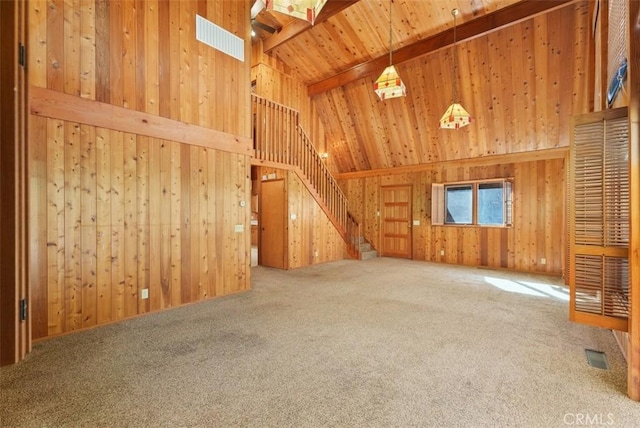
[{"x": 617, "y": 82}]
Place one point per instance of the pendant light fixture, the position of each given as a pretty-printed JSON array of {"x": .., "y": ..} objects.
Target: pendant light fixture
[
  {"x": 389, "y": 84},
  {"x": 456, "y": 116}
]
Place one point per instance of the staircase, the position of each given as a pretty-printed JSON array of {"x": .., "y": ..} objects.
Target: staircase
[
  {"x": 280, "y": 141},
  {"x": 365, "y": 249}
]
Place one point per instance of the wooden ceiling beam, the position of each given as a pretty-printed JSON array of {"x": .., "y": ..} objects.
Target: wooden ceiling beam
[
  {"x": 481, "y": 26},
  {"x": 299, "y": 26}
]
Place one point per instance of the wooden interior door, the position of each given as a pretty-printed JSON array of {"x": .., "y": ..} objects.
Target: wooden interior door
[
  {"x": 396, "y": 221},
  {"x": 272, "y": 239}
]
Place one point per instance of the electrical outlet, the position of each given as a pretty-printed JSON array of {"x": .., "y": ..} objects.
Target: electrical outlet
[
  {"x": 442, "y": 252},
  {"x": 315, "y": 253},
  {"x": 144, "y": 293},
  {"x": 543, "y": 261}
]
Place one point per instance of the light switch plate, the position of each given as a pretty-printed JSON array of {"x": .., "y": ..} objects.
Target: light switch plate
[{"x": 239, "y": 228}]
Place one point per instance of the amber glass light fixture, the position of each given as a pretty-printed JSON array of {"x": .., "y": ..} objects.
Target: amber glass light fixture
[
  {"x": 389, "y": 84},
  {"x": 456, "y": 116}
]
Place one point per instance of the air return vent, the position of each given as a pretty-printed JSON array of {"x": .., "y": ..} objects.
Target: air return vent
[
  {"x": 597, "y": 359},
  {"x": 218, "y": 38}
]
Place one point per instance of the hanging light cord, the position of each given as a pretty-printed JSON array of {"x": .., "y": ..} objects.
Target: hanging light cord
[
  {"x": 454, "y": 12},
  {"x": 390, "y": 33}
]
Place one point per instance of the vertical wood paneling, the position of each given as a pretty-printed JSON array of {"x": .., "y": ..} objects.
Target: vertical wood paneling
[
  {"x": 312, "y": 238},
  {"x": 155, "y": 209},
  {"x": 538, "y": 220},
  {"x": 213, "y": 238},
  {"x": 166, "y": 226},
  {"x": 72, "y": 47},
  {"x": 222, "y": 222},
  {"x": 174, "y": 61},
  {"x": 150, "y": 29},
  {"x": 117, "y": 226},
  {"x": 186, "y": 228},
  {"x": 55, "y": 226},
  {"x": 130, "y": 230},
  {"x": 38, "y": 59},
  {"x": 205, "y": 231},
  {"x": 196, "y": 231},
  {"x": 515, "y": 82},
  {"x": 164, "y": 58},
  {"x": 88, "y": 218},
  {"x": 129, "y": 59},
  {"x": 122, "y": 212},
  {"x": 143, "y": 259},
  {"x": 55, "y": 45},
  {"x": 228, "y": 196},
  {"x": 141, "y": 59},
  {"x": 87, "y": 72},
  {"x": 116, "y": 46},
  {"x": 176, "y": 225},
  {"x": 72, "y": 228},
  {"x": 38, "y": 225},
  {"x": 102, "y": 51},
  {"x": 103, "y": 218}
]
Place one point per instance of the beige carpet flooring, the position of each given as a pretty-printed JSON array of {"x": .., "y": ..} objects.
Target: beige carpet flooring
[{"x": 379, "y": 343}]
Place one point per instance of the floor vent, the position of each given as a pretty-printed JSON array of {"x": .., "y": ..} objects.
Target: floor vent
[{"x": 597, "y": 359}]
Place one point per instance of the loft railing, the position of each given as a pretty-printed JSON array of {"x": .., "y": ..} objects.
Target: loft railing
[{"x": 279, "y": 138}]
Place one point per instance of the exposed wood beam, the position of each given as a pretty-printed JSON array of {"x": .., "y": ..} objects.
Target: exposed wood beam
[
  {"x": 538, "y": 155},
  {"x": 506, "y": 16},
  {"x": 49, "y": 103},
  {"x": 299, "y": 26}
]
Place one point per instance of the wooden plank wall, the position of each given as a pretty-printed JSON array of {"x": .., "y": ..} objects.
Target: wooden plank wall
[
  {"x": 311, "y": 237},
  {"x": 274, "y": 81},
  {"x": 538, "y": 230},
  {"x": 113, "y": 212},
  {"x": 516, "y": 83}
]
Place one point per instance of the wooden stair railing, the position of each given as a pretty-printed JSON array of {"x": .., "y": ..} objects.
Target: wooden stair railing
[{"x": 280, "y": 140}]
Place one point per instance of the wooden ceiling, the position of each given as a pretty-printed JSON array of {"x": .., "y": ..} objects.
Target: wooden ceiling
[{"x": 520, "y": 81}]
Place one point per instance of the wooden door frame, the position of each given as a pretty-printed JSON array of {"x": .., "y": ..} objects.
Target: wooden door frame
[
  {"x": 15, "y": 331},
  {"x": 381, "y": 218}
]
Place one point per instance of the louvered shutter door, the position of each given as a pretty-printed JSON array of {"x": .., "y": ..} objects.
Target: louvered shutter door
[
  {"x": 437, "y": 204},
  {"x": 598, "y": 215}
]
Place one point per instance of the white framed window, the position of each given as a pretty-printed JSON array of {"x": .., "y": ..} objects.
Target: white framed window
[{"x": 473, "y": 203}]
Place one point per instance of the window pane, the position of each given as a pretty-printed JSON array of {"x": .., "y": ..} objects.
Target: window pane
[
  {"x": 459, "y": 202},
  {"x": 490, "y": 204}
]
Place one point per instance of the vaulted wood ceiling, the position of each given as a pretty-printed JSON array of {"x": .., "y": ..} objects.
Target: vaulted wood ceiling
[{"x": 521, "y": 81}]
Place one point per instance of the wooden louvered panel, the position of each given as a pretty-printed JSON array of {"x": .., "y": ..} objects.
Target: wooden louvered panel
[
  {"x": 616, "y": 184},
  {"x": 588, "y": 181},
  {"x": 616, "y": 287},
  {"x": 588, "y": 289},
  {"x": 602, "y": 285},
  {"x": 599, "y": 220}
]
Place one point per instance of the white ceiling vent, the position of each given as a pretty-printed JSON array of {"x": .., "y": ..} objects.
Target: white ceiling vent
[{"x": 218, "y": 38}]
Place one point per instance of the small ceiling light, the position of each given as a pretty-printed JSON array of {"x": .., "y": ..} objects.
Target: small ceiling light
[
  {"x": 389, "y": 84},
  {"x": 456, "y": 116},
  {"x": 253, "y": 33}
]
